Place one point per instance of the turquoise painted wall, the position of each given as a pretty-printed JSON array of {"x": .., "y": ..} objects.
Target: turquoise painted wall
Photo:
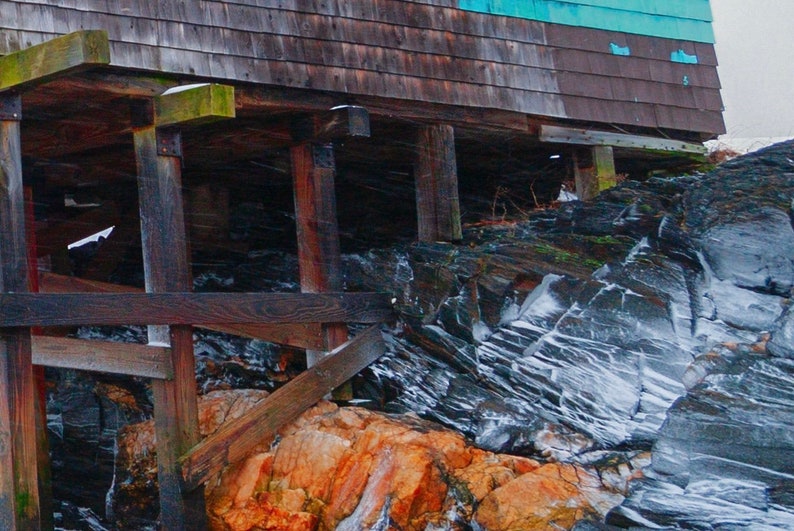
[{"x": 688, "y": 20}]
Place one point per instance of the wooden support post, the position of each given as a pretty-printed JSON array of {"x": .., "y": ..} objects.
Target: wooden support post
[
  {"x": 166, "y": 268},
  {"x": 436, "y": 176},
  {"x": 319, "y": 255},
  {"x": 22, "y": 429},
  {"x": 158, "y": 155},
  {"x": 19, "y": 489},
  {"x": 594, "y": 171},
  {"x": 313, "y": 173},
  {"x": 46, "y": 509}
]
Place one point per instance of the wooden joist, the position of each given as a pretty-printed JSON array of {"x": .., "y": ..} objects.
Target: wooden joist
[
  {"x": 67, "y": 54},
  {"x": 70, "y": 309},
  {"x": 588, "y": 137},
  {"x": 239, "y": 437},
  {"x": 131, "y": 359}
]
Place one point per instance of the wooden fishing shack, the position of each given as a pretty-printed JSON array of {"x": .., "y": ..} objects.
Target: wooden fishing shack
[{"x": 156, "y": 118}]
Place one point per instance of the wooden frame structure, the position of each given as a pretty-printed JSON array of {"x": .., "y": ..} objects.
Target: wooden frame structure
[
  {"x": 222, "y": 85},
  {"x": 167, "y": 306}
]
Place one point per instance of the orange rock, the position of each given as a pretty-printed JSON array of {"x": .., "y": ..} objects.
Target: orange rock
[
  {"x": 347, "y": 469},
  {"x": 553, "y": 497}
]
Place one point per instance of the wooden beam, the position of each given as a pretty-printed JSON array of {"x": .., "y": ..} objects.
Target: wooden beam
[
  {"x": 259, "y": 99},
  {"x": 300, "y": 335},
  {"x": 194, "y": 105},
  {"x": 339, "y": 122},
  {"x": 166, "y": 264},
  {"x": 589, "y": 137},
  {"x": 436, "y": 177},
  {"x": 319, "y": 255},
  {"x": 19, "y": 489},
  {"x": 70, "y": 309},
  {"x": 67, "y": 54},
  {"x": 46, "y": 510},
  {"x": 130, "y": 359},
  {"x": 235, "y": 440},
  {"x": 594, "y": 171}
]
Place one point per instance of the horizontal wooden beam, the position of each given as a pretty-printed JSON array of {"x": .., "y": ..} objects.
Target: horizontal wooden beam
[
  {"x": 67, "y": 54},
  {"x": 70, "y": 309},
  {"x": 193, "y": 105},
  {"x": 301, "y": 335},
  {"x": 131, "y": 359},
  {"x": 587, "y": 137},
  {"x": 339, "y": 122},
  {"x": 235, "y": 440}
]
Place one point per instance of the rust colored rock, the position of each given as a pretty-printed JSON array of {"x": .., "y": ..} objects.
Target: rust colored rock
[
  {"x": 555, "y": 496},
  {"x": 351, "y": 469},
  {"x": 348, "y": 469},
  {"x": 134, "y": 498}
]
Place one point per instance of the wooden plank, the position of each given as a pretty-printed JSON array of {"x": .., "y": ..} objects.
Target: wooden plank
[
  {"x": 300, "y": 335},
  {"x": 194, "y": 105},
  {"x": 19, "y": 489},
  {"x": 103, "y": 356},
  {"x": 589, "y": 137},
  {"x": 70, "y": 309},
  {"x": 436, "y": 177},
  {"x": 166, "y": 264},
  {"x": 39, "y": 63},
  {"x": 235, "y": 440}
]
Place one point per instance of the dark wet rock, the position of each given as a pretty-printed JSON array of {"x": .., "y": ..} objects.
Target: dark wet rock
[
  {"x": 782, "y": 340},
  {"x": 725, "y": 454},
  {"x": 591, "y": 334}
]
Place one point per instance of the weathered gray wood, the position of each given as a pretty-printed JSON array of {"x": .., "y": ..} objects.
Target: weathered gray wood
[
  {"x": 300, "y": 335},
  {"x": 589, "y": 137},
  {"x": 237, "y": 438},
  {"x": 68, "y": 309},
  {"x": 19, "y": 489},
  {"x": 431, "y": 53},
  {"x": 167, "y": 268},
  {"x": 339, "y": 122},
  {"x": 436, "y": 177},
  {"x": 194, "y": 106},
  {"x": 103, "y": 356},
  {"x": 594, "y": 171},
  {"x": 79, "y": 50},
  {"x": 319, "y": 255}
]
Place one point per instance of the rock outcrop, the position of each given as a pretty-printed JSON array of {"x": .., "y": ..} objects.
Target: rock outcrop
[
  {"x": 639, "y": 346},
  {"x": 350, "y": 469}
]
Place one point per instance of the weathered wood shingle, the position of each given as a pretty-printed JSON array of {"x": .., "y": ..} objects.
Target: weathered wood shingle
[{"x": 412, "y": 50}]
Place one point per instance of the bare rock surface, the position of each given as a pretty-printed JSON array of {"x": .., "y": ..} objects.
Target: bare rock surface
[{"x": 351, "y": 469}]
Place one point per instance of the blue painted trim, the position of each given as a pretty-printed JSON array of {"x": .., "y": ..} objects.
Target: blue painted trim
[
  {"x": 653, "y": 18},
  {"x": 616, "y": 49},
  {"x": 680, "y": 56}
]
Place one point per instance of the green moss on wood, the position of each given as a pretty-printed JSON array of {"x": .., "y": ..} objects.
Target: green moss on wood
[
  {"x": 201, "y": 104},
  {"x": 81, "y": 49}
]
